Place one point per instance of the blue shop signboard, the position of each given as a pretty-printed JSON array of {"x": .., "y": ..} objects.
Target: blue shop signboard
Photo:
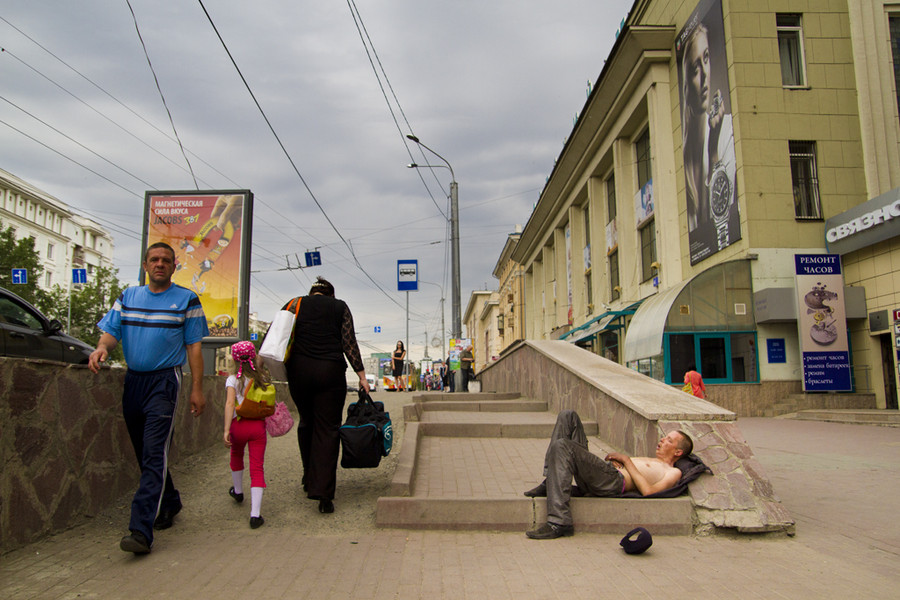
[{"x": 822, "y": 323}]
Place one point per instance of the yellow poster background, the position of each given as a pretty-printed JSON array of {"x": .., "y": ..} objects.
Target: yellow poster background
[{"x": 205, "y": 231}]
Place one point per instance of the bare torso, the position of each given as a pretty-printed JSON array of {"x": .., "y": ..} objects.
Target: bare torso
[{"x": 653, "y": 469}]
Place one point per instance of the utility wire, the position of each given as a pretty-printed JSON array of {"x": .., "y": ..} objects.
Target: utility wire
[
  {"x": 291, "y": 160},
  {"x": 162, "y": 97}
]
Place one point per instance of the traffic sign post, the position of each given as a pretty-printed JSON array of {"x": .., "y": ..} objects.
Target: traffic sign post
[
  {"x": 79, "y": 275},
  {"x": 20, "y": 276}
]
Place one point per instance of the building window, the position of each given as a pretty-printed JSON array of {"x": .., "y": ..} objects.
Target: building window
[
  {"x": 648, "y": 250},
  {"x": 611, "y": 199},
  {"x": 615, "y": 290},
  {"x": 49, "y": 251},
  {"x": 642, "y": 154},
  {"x": 894, "y": 27},
  {"x": 805, "y": 181},
  {"x": 48, "y": 280},
  {"x": 790, "y": 50}
]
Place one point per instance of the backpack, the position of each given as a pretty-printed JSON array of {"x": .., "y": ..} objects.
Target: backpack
[{"x": 258, "y": 403}]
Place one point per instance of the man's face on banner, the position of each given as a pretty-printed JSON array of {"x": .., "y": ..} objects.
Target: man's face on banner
[{"x": 697, "y": 70}]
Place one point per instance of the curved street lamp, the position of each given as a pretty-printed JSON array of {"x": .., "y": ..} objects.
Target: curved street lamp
[{"x": 456, "y": 319}]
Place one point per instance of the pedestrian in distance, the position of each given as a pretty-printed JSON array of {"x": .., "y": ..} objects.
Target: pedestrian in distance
[
  {"x": 398, "y": 358},
  {"x": 693, "y": 383},
  {"x": 242, "y": 432},
  {"x": 161, "y": 326}
]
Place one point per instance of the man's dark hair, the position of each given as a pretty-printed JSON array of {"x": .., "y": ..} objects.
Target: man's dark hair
[
  {"x": 686, "y": 444},
  {"x": 159, "y": 245},
  {"x": 322, "y": 286}
]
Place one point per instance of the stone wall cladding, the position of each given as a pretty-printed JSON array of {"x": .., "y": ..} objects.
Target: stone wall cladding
[{"x": 64, "y": 447}]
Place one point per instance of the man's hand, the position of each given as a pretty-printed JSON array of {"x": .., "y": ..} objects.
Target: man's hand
[
  {"x": 97, "y": 356},
  {"x": 617, "y": 458},
  {"x": 198, "y": 402}
]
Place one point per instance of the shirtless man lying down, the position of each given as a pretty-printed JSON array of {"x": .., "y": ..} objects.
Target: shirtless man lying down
[{"x": 568, "y": 456}]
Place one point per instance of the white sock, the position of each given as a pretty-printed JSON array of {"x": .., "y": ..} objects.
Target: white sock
[
  {"x": 237, "y": 477},
  {"x": 255, "y": 500}
]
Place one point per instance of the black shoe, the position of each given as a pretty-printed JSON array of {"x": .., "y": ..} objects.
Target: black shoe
[
  {"x": 538, "y": 492},
  {"x": 256, "y": 522},
  {"x": 165, "y": 517},
  {"x": 237, "y": 497},
  {"x": 135, "y": 542},
  {"x": 326, "y": 506},
  {"x": 550, "y": 531}
]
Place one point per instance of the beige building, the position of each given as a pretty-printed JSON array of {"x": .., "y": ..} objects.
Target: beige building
[
  {"x": 511, "y": 295},
  {"x": 63, "y": 239},
  {"x": 480, "y": 321},
  {"x": 721, "y": 143}
]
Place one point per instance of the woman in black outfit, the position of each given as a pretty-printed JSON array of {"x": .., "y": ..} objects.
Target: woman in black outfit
[
  {"x": 398, "y": 358},
  {"x": 323, "y": 336}
]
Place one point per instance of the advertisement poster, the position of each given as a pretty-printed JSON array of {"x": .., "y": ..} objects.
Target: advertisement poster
[
  {"x": 822, "y": 323},
  {"x": 643, "y": 203},
  {"x": 210, "y": 232},
  {"x": 707, "y": 133}
]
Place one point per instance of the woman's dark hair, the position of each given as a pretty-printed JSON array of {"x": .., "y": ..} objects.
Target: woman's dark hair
[
  {"x": 400, "y": 343},
  {"x": 322, "y": 286}
]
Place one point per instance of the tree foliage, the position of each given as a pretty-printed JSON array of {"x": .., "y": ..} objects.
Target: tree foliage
[{"x": 21, "y": 254}]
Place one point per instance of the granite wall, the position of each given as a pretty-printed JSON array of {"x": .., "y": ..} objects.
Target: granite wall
[{"x": 64, "y": 447}]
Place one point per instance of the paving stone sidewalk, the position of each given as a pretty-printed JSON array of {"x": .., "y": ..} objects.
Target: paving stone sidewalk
[{"x": 838, "y": 480}]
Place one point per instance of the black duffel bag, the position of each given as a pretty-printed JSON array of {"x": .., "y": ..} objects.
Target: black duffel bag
[{"x": 366, "y": 435}]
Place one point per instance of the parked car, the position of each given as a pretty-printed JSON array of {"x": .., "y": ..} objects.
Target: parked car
[{"x": 25, "y": 332}]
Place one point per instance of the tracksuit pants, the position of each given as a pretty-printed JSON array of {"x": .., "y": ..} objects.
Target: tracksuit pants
[
  {"x": 567, "y": 457},
  {"x": 148, "y": 404}
]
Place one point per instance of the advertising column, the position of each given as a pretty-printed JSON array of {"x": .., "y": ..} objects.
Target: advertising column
[{"x": 822, "y": 322}]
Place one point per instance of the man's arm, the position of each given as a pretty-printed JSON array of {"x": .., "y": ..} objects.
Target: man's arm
[
  {"x": 195, "y": 362},
  {"x": 646, "y": 488},
  {"x": 104, "y": 347}
]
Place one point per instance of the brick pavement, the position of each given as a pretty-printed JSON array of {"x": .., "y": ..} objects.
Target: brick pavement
[{"x": 840, "y": 481}]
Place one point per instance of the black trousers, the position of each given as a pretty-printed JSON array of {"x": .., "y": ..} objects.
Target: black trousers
[{"x": 319, "y": 389}]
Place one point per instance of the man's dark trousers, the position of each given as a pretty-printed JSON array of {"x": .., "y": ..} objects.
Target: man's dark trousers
[
  {"x": 567, "y": 457},
  {"x": 148, "y": 404}
]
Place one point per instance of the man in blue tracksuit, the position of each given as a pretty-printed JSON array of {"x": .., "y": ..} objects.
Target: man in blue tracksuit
[{"x": 161, "y": 326}]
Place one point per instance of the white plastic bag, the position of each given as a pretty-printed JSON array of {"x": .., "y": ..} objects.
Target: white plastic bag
[{"x": 276, "y": 346}]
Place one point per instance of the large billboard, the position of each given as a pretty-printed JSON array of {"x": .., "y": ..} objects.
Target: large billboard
[
  {"x": 707, "y": 133},
  {"x": 210, "y": 232}
]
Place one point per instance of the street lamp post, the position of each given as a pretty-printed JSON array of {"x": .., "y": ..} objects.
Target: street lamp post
[{"x": 456, "y": 319}]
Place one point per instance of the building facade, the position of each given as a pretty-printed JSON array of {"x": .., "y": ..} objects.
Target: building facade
[
  {"x": 480, "y": 320},
  {"x": 511, "y": 295},
  {"x": 721, "y": 143},
  {"x": 63, "y": 239}
]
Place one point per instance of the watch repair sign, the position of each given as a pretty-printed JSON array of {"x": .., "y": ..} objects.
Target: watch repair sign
[{"x": 822, "y": 323}]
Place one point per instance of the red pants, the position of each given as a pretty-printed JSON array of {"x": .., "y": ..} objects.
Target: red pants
[{"x": 252, "y": 433}]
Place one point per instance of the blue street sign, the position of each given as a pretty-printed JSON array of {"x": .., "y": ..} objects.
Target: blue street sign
[
  {"x": 254, "y": 337},
  {"x": 313, "y": 259},
  {"x": 20, "y": 276},
  {"x": 407, "y": 275},
  {"x": 79, "y": 275},
  {"x": 378, "y": 329}
]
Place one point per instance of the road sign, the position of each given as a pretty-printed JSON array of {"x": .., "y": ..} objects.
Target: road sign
[
  {"x": 313, "y": 259},
  {"x": 20, "y": 276},
  {"x": 378, "y": 329},
  {"x": 407, "y": 275},
  {"x": 79, "y": 275},
  {"x": 254, "y": 337}
]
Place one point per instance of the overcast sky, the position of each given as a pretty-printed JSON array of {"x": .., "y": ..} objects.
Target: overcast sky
[{"x": 493, "y": 86}]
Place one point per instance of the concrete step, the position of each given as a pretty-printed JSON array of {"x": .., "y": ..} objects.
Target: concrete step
[
  {"x": 488, "y": 406},
  {"x": 598, "y": 515},
  {"x": 863, "y": 417},
  {"x": 494, "y": 424}
]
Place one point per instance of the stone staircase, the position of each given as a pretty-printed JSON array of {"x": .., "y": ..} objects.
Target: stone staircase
[
  {"x": 466, "y": 459},
  {"x": 886, "y": 418}
]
